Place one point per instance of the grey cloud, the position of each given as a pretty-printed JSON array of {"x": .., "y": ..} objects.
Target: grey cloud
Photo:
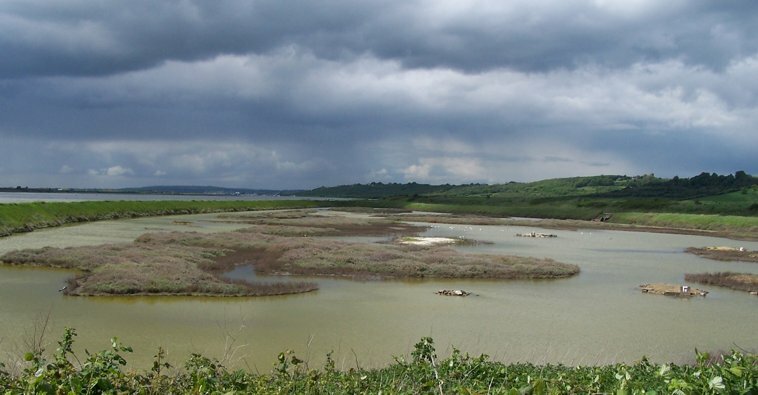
[
  {"x": 79, "y": 38},
  {"x": 301, "y": 94}
]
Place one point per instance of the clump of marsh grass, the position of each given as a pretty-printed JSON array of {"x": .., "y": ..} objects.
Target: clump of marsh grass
[
  {"x": 725, "y": 254},
  {"x": 738, "y": 281},
  {"x": 315, "y": 223},
  {"x": 331, "y": 257},
  {"x": 154, "y": 264}
]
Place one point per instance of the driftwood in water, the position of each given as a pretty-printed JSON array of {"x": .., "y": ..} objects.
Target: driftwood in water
[
  {"x": 453, "y": 292},
  {"x": 535, "y": 234}
]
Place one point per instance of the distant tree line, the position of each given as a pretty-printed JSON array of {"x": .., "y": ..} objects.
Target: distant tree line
[
  {"x": 376, "y": 190},
  {"x": 703, "y": 184}
]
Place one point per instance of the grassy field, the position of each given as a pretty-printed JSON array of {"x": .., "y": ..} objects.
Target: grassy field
[
  {"x": 421, "y": 373},
  {"x": 709, "y": 202},
  {"x": 728, "y": 224},
  {"x": 25, "y": 217}
]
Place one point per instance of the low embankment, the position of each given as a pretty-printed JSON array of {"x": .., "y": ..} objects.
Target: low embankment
[
  {"x": 732, "y": 226},
  {"x": 26, "y": 217}
]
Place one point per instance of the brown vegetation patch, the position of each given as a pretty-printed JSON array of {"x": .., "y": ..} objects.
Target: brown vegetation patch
[
  {"x": 191, "y": 263},
  {"x": 365, "y": 260},
  {"x": 314, "y": 223},
  {"x": 371, "y": 210},
  {"x": 164, "y": 265},
  {"x": 672, "y": 290},
  {"x": 739, "y": 281},
  {"x": 324, "y": 257},
  {"x": 724, "y": 254},
  {"x": 451, "y": 219}
]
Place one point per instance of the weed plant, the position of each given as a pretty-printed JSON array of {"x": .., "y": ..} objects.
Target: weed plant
[{"x": 424, "y": 373}]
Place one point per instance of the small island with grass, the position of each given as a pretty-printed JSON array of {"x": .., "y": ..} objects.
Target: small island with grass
[
  {"x": 725, "y": 253},
  {"x": 276, "y": 244},
  {"x": 747, "y": 282},
  {"x": 682, "y": 291}
]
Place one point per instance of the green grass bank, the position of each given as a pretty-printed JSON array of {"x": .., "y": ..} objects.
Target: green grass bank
[
  {"x": 719, "y": 225},
  {"x": 26, "y": 217}
]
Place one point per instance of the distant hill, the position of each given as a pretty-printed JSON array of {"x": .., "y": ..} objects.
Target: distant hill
[
  {"x": 555, "y": 187},
  {"x": 704, "y": 184},
  {"x": 200, "y": 190},
  {"x": 159, "y": 190},
  {"x": 546, "y": 188},
  {"x": 375, "y": 190}
]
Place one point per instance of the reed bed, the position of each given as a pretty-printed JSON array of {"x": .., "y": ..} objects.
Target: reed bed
[
  {"x": 739, "y": 281},
  {"x": 190, "y": 263}
]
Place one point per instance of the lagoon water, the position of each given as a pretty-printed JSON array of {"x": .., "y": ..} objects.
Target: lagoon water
[
  {"x": 599, "y": 316},
  {"x": 25, "y": 197}
]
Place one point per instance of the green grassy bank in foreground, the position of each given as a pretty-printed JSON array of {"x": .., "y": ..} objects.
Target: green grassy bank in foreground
[
  {"x": 26, "y": 217},
  {"x": 423, "y": 373}
]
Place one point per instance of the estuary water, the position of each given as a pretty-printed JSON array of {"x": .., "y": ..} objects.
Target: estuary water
[
  {"x": 599, "y": 316},
  {"x": 25, "y": 197}
]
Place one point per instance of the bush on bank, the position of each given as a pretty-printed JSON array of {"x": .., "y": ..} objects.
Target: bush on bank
[
  {"x": 26, "y": 217},
  {"x": 104, "y": 372}
]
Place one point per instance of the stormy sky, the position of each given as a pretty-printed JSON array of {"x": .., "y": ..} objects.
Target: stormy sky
[{"x": 298, "y": 94}]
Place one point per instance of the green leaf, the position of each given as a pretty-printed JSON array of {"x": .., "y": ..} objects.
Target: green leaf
[
  {"x": 716, "y": 383},
  {"x": 539, "y": 387}
]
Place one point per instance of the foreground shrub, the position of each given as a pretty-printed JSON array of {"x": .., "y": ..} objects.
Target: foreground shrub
[{"x": 103, "y": 372}]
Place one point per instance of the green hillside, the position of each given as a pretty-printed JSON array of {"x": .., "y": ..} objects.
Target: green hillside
[
  {"x": 556, "y": 187},
  {"x": 375, "y": 190},
  {"x": 571, "y": 198}
]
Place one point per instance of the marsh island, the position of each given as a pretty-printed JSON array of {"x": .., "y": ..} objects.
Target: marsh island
[{"x": 276, "y": 243}]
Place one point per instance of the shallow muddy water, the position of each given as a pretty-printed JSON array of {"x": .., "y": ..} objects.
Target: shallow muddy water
[{"x": 598, "y": 316}]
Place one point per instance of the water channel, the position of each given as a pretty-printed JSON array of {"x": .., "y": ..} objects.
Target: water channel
[{"x": 596, "y": 317}]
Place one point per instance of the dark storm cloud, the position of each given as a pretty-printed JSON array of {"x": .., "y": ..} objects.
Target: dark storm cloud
[
  {"x": 301, "y": 94},
  {"x": 95, "y": 38}
]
